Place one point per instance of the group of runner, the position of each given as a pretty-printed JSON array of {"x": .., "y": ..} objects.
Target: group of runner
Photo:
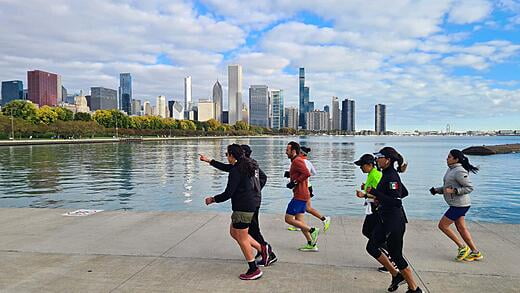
[{"x": 383, "y": 191}]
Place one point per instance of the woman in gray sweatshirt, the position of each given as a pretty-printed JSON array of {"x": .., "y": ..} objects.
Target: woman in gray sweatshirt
[{"x": 456, "y": 190}]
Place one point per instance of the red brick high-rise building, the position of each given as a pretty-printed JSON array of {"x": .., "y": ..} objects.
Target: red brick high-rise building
[{"x": 42, "y": 88}]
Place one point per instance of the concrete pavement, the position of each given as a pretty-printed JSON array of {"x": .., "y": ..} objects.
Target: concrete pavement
[{"x": 118, "y": 251}]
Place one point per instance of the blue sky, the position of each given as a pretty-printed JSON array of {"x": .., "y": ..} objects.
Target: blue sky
[{"x": 431, "y": 62}]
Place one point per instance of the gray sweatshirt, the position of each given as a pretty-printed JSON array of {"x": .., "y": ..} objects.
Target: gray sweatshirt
[{"x": 457, "y": 177}]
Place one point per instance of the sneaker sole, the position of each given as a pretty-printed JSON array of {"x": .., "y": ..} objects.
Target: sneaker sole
[
  {"x": 399, "y": 284},
  {"x": 308, "y": 250},
  {"x": 253, "y": 278},
  {"x": 272, "y": 261}
]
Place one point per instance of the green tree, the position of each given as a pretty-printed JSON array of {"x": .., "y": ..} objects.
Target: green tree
[
  {"x": 241, "y": 125},
  {"x": 82, "y": 116},
  {"x": 20, "y": 109},
  {"x": 46, "y": 115},
  {"x": 103, "y": 117},
  {"x": 64, "y": 114}
]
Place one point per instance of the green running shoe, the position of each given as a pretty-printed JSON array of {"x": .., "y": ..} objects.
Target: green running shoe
[
  {"x": 474, "y": 256},
  {"x": 314, "y": 236},
  {"x": 463, "y": 252},
  {"x": 292, "y": 228},
  {"x": 326, "y": 224},
  {"x": 309, "y": 247}
]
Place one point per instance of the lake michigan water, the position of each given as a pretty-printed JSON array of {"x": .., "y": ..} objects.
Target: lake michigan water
[{"x": 167, "y": 175}]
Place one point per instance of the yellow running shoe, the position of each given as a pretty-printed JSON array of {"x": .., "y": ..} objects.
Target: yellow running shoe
[
  {"x": 474, "y": 256},
  {"x": 292, "y": 228},
  {"x": 463, "y": 252}
]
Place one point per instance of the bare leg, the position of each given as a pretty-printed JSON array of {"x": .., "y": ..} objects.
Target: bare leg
[
  {"x": 309, "y": 209},
  {"x": 408, "y": 276},
  {"x": 255, "y": 244},
  {"x": 444, "y": 225},
  {"x": 297, "y": 221},
  {"x": 460, "y": 223},
  {"x": 242, "y": 239},
  {"x": 387, "y": 264}
]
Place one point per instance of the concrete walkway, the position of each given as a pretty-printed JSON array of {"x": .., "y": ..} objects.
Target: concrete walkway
[{"x": 43, "y": 251}]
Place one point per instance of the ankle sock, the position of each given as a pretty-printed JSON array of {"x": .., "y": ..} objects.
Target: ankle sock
[
  {"x": 323, "y": 218},
  {"x": 311, "y": 230},
  {"x": 252, "y": 265}
]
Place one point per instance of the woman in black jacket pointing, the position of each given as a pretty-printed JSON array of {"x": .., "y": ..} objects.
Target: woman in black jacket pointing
[
  {"x": 243, "y": 188},
  {"x": 389, "y": 193}
]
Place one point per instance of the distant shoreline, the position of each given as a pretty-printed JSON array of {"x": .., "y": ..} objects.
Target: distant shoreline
[{"x": 24, "y": 142}]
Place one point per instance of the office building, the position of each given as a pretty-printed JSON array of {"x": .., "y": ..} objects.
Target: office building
[
  {"x": 42, "y": 88},
  {"x": 176, "y": 110},
  {"x": 136, "y": 107},
  {"x": 259, "y": 105},
  {"x": 234, "y": 93},
  {"x": 147, "y": 108},
  {"x": 11, "y": 90},
  {"x": 348, "y": 120},
  {"x": 277, "y": 109},
  {"x": 187, "y": 97},
  {"x": 160, "y": 107},
  {"x": 335, "y": 114},
  {"x": 103, "y": 98},
  {"x": 125, "y": 93},
  {"x": 380, "y": 119},
  {"x": 317, "y": 120},
  {"x": 205, "y": 110},
  {"x": 291, "y": 118},
  {"x": 245, "y": 114},
  {"x": 217, "y": 100},
  {"x": 305, "y": 104}
]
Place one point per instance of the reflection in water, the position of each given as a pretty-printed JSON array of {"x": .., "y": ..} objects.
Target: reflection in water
[{"x": 167, "y": 175}]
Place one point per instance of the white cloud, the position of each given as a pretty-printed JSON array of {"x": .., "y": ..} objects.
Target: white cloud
[{"x": 469, "y": 11}]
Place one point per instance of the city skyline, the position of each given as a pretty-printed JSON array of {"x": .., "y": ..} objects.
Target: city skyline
[{"x": 433, "y": 63}]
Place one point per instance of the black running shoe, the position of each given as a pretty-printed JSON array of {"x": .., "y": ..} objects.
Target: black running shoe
[
  {"x": 417, "y": 290},
  {"x": 382, "y": 270},
  {"x": 272, "y": 258},
  {"x": 396, "y": 281}
]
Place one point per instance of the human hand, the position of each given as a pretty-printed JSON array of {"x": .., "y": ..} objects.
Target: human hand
[
  {"x": 449, "y": 190},
  {"x": 360, "y": 194},
  {"x": 291, "y": 185},
  {"x": 209, "y": 200},
  {"x": 204, "y": 158},
  {"x": 433, "y": 191}
]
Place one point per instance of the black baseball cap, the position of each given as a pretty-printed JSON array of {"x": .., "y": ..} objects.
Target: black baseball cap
[{"x": 365, "y": 159}]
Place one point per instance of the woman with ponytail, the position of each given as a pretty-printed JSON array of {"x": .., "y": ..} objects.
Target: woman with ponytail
[
  {"x": 390, "y": 229},
  {"x": 456, "y": 190},
  {"x": 243, "y": 188}
]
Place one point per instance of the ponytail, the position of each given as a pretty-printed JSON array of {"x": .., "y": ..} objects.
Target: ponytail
[
  {"x": 464, "y": 161},
  {"x": 401, "y": 165}
]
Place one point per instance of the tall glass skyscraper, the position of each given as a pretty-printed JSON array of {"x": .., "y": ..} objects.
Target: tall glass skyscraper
[
  {"x": 348, "y": 122},
  {"x": 125, "y": 92},
  {"x": 304, "y": 98},
  {"x": 217, "y": 100},
  {"x": 277, "y": 104},
  {"x": 259, "y": 105},
  {"x": 380, "y": 115},
  {"x": 11, "y": 90}
]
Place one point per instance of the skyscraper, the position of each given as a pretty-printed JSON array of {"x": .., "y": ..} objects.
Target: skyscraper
[
  {"x": 59, "y": 93},
  {"x": 125, "y": 92},
  {"x": 11, "y": 90},
  {"x": 234, "y": 93},
  {"x": 304, "y": 98},
  {"x": 277, "y": 109},
  {"x": 380, "y": 115},
  {"x": 42, "y": 88},
  {"x": 161, "y": 107},
  {"x": 348, "y": 120},
  {"x": 291, "y": 118},
  {"x": 102, "y": 98},
  {"x": 187, "y": 97},
  {"x": 176, "y": 110},
  {"x": 259, "y": 105},
  {"x": 217, "y": 100},
  {"x": 335, "y": 115},
  {"x": 147, "y": 108},
  {"x": 136, "y": 107}
]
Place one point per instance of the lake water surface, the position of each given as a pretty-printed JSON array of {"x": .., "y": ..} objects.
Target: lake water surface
[{"x": 167, "y": 175}]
